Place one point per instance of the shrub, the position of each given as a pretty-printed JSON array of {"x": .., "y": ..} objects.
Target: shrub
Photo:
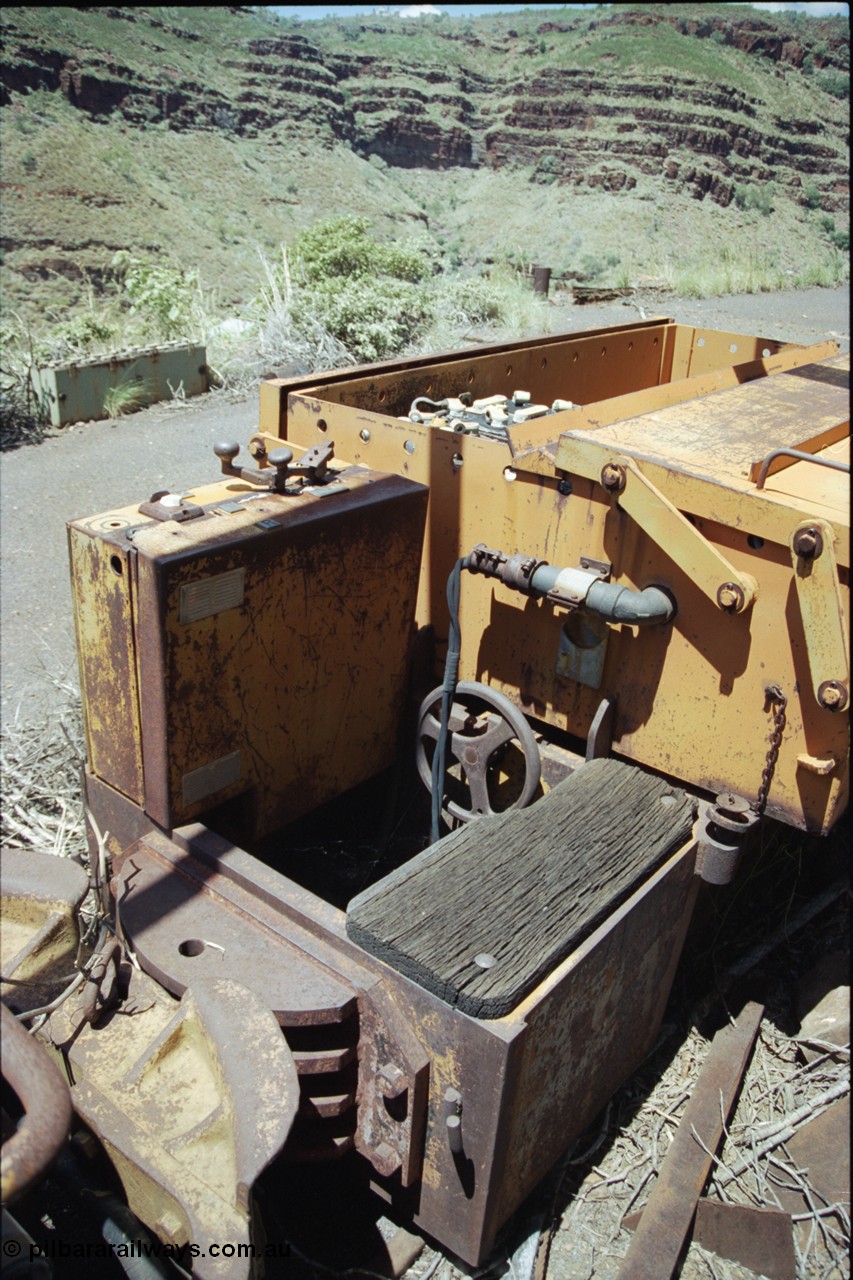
[
  {"x": 811, "y": 197},
  {"x": 373, "y": 318},
  {"x": 164, "y": 296},
  {"x": 759, "y": 198},
  {"x": 835, "y": 83},
  {"x": 344, "y": 247},
  {"x": 85, "y": 331}
]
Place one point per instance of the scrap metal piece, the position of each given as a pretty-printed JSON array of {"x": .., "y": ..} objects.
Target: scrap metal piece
[
  {"x": 823, "y": 1147},
  {"x": 165, "y": 1090},
  {"x": 761, "y": 1239},
  {"x": 658, "y": 1241},
  {"x": 758, "y": 1238},
  {"x": 43, "y": 1093}
]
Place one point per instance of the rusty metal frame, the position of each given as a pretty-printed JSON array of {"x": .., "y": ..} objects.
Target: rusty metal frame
[{"x": 527, "y": 1083}]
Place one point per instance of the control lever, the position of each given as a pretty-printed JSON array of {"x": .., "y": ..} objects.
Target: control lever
[{"x": 276, "y": 475}]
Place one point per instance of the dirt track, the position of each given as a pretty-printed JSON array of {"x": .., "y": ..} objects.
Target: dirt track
[{"x": 97, "y": 466}]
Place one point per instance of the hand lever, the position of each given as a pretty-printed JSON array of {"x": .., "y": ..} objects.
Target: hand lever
[
  {"x": 281, "y": 460},
  {"x": 226, "y": 451},
  {"x": 276, "y": 476}
]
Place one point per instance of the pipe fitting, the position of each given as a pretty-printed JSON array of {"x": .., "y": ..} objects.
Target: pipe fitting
[{"x": 646, "y": 608}]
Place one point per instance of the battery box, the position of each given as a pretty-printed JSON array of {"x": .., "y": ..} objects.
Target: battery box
[{"x": 251, "y": 643}]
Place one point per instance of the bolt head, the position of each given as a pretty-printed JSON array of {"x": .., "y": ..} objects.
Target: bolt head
[
  {"x": 730, "y": 597},
  {"x": 390, "y": 1080},
  {"x": 832, "y": 695},
  {"x": 808, "y": 543},
  {"x": 385, "y": 1159},
  {"x": 613, "y": 477}
]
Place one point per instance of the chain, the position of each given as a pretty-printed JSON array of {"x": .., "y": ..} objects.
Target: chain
[{"x": 774, "y": 695}]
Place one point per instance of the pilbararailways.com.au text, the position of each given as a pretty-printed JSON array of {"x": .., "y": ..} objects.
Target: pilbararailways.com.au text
[{"x": 54, "y": 1250}]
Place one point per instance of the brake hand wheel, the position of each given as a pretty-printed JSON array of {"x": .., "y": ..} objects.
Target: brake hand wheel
[{"x": 483, "y": 724}]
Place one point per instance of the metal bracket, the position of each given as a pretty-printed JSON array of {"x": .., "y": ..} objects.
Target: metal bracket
[
  {"x": 392, "y": 1090},
  {"x": 159, "y": 507},
  {"x": 819, "y": 593},
  {"x": 582, "y": 648},
  {"x": 622, "y": 479},
  {"x": 716, "y": 577}
]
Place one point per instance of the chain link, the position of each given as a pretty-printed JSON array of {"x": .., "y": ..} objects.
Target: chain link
[{"x": 774, "y": 695}]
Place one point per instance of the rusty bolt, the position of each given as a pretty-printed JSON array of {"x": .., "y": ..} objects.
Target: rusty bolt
[
  {"x": 808, "y": 543},
  {"x": 384, "y": 1159},
  {"x": 613, "y": 477},
  {"x": 730, "y": 597},
  {"x": 391, "y": 1081},
  {"x": 832, "y": 695}
]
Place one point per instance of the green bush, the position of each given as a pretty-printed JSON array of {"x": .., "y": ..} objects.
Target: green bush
[
  {"x": 835, "y": 83},
  {"x": 759, "y": 198},
  {"x": 374, "y": 299},
  {"x": 841, "y": 240},
  {"x": 811, "y": 197},
  {"x": 373, "y": 318},
  {"x": 86, "y": 330},
  {"x": 164, "y": 296},
  {"x": 344, "y": 247},
  {"x": 477, "y": 299}
]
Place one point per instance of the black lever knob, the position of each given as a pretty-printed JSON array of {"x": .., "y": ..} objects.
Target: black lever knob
[
  {"x": 226, "y": 450},
  {"x": 281, "y": 460}
]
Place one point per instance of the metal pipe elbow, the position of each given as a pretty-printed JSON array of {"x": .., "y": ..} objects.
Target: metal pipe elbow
[{"x": 646, "y": 608}]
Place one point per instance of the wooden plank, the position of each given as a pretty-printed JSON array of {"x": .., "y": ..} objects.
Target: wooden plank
[{"x": 482, "y": 916}]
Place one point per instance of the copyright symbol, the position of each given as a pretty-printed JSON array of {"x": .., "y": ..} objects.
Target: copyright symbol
[{"x": 11, "y": 1248}]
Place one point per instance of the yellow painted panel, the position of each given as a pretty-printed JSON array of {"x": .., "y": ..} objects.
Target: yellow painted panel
[{"x": 101, "y": 572}]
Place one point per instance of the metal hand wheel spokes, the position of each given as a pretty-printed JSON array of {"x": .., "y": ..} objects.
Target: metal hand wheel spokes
[{"x": 483, "y": 724}]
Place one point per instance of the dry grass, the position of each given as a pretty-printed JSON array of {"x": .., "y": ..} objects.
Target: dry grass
[{"x": 41, "y": 755}]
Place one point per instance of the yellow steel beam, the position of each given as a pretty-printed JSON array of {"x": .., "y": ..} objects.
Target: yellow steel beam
[
  {"x": 819, "y": 592},
  {"x": 712, "y": 573}
]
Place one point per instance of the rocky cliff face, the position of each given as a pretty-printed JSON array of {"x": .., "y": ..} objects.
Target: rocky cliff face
[
  {"x": 594, "y": 128},
  {"x": 655, "y": 103}
]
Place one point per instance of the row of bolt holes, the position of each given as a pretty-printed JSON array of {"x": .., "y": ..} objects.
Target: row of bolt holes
[{"x": 457, "y": 460}]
